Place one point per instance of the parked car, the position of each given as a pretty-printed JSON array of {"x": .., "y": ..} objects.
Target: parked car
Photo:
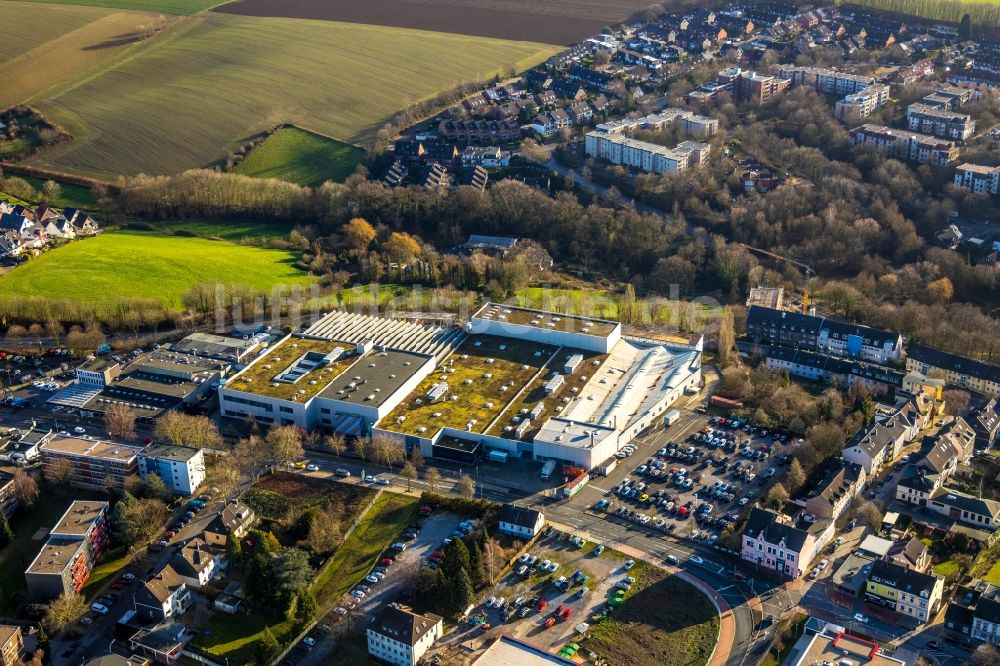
[{"x": 99, "y": 608}]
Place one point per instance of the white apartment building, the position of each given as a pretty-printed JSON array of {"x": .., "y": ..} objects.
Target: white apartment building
[
  {"x": 400, "y": 637},
  {"x": 856, "y": 106},
  {"x": 645, "y": 156},
  {"x": 940, "y": 122},
  {"x": 182, "y": 468},
  {"x": 827, "y": 81},
  {"x": 906, "y": 145},
  {"x": 978, "y": 179}
]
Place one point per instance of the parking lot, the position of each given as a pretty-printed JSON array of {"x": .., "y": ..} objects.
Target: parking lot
[
  {"x": 698, "y": 483},
  {"x": 429, "y": 534},
  {"x": 562, "y": 584}
]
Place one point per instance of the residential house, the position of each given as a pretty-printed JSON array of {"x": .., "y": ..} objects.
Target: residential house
[
  {"x": 196, "y": 562},
  {"x": 590, "y": 77},
  {"x": 11, "y": 645},
  {"x": 57, "y": 226},
  {"x": 931, "y": 468},
  {"x": 950, "y": 237},
  {"x": 82, "y": 223},
  {"x": 475, "y": 102},
  {"x": 399, "y": 636},
  {"x": 408, "y": 150},
  {"x": 775, "y": 545},
  {"x": 520, "y": 522},
  {"x": 580, "y": 113},
  {"x": 827, "y": 368},
  {"x": 961, "y": 436},
  {"x": 912, "y": 593},
  {"x": 839, "y": 484},
  {"x": 600, "y": 104},
  {"x": 913, "y": 554},
  {"x": 958, "y": 370},
  {"x": 10, "y": 243},
  {"x": 880, "y": 441},
  {"x": 164, "y": 596},
  {"x": 493, "y": 245},
  {"x": 479, "y": 131},
  {"x": 440, "y": 153},
  {"x": 546, "y": 98},
  {"x": 985, "y": 422},
  {"x": 964, "y": 508},
  {"x": 163, "y": 642},
  {"x": 236, "y": 517},
  {"x": 569, "y": 90}
]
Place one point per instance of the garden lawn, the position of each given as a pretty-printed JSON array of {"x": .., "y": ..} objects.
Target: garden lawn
[
  {"x": 115, "y": 266},
  {"x": 302, "y": 157},
  {"x": 234, "y": 637},
  {"x": 196, "y": 92},
  {"x": 946, "y": 568},
  {"x": 994, "y": 574},
  {"x": 111, "y": 562},
  {"x": 379, "y": 528}
]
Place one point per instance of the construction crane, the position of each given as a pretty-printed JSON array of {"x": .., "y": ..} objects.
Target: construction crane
[{"x": 806, "y": 268}]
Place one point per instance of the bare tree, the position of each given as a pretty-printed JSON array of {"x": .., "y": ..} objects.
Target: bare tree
[
  {"x": 284, "y": 444},
  {"x": 66, "y": 609},
  {"x": 417, "y": 457},
  {"x": 466, "y": 487},
  {"x": 335, "y": 444},
  {"x": 494, "y": 559},
  {"x": 433, "y": 478},
  {"x": 409, "y": 472},
  {"x": 59, "y": 473},
  {"x": 188, "y": 430},
  {"x": 325, "y": 533},
  {"x": 25, "y": 488},
  {"x": 251, "y": 456},
  {"x": 119, "y": 421}
]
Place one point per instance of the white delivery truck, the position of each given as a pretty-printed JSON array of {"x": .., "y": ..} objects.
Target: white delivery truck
[
  {"x": 671, "y": 417},
  {"x": 548, "y": 468}
]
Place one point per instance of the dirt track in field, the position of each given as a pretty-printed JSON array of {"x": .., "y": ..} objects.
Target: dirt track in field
[{"x": 554, "y": 23}]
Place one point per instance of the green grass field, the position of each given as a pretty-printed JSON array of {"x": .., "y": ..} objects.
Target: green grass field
[
  {"x": 61, "y": 45},
  {"x": 302, "y": 157},
  {"x": 213, "y": 80},
  {"x": 165, "y": 6},
  {"x": 233, "y": 231},
  {"x": 124, "y": 265},
  {"x": 75, "y": 196}
]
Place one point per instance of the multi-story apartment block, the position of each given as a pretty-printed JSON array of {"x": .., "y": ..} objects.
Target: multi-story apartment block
[
  {"x": 66, "y": 560},
  {"x": 958, "y": 371},
  {"x": 940, "y": 122},
  {"x": 182, "y": 468},
  {"x": 906, "y": 145},
  {"x": 96, "y": 463},
  {"x": 400, "y": 636},
  {"x": 904, "y": 590},
  {"x": 752, "y": 86},
  {"x": 823, "y": 334},
  {"x": 774, "y": 545},
  {"x": 645, "y": 156},
  {"x": 859, "y": 105},
  {"x": 8, "y": 499},
  {"x": 978, "y": 179},
  {"x": 700, "y": 126},
  {"x": 11, "y": 645},
  {"x": 826, "y": 81},
  {"x": 840, "y": 483}
]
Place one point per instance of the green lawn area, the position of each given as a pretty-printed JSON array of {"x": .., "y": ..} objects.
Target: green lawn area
[
  {"x": 234, "y": 636},
  {"x": 166, "y": 6},
  {"x": 994, "y": 574},
  {"x": 111, "y": 562},
  {"x": 377, "y": 530},
  {"x": 233, "y": 231},
  {"x": 653, "y": 627},
  {"x": 302, "y": 157},
  {"x": 946, "y": 568},
  {"x": 114, "y": 266},
  {"x": 194, "y": 93},
  {"x": 15, "y": 557},
  {"x": 72, "y": 196}
]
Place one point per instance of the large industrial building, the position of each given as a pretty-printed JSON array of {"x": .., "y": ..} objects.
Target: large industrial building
[{"x": 513, "y": 381}]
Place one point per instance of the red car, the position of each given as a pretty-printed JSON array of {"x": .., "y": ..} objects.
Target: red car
[
  {"x": 565, "y": 614},
  {"x": 171, "y": 534},
  {"x": 542, "y": 603},
  {"x": 117, "y": 586},
  {"x": 437, "y": 553},
  {"x": 386, "y": 561}
]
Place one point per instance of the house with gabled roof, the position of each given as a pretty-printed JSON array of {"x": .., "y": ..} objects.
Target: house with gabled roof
[
  {"x": 196, "y": 562},
  {"x": 882, "y": 439},
  {"x": 165, "y": 595},
  {"x": 771, "y": 543},
  {"x": 400, "y": 636},
  {"x": 985, "y": 422}
]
